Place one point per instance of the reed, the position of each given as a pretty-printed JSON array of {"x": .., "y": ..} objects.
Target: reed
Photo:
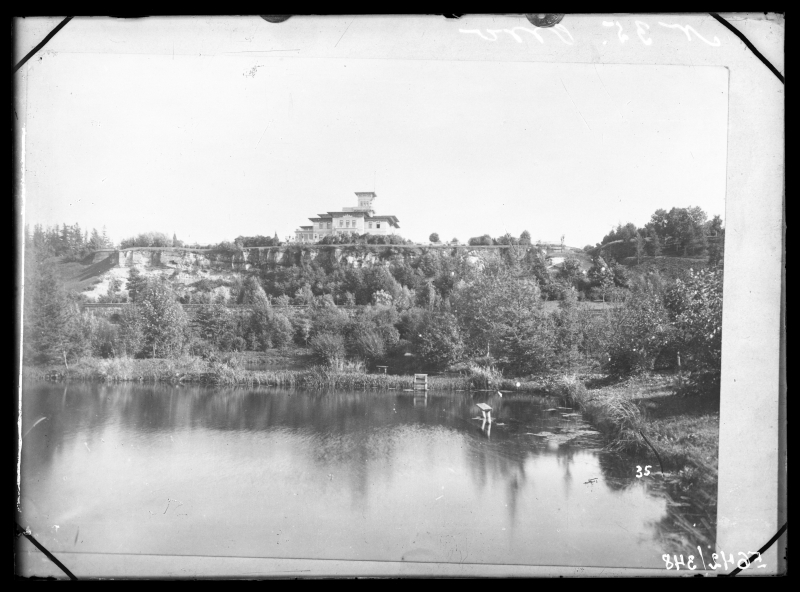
[
  {"x": 230, "y": 371},
  {"x": 618, "y": 418}
]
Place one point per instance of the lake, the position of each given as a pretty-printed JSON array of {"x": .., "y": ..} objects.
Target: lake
[{"x": 185, "y": 470}]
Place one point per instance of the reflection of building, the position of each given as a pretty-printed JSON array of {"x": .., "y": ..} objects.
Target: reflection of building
[{"x": 360, "y": 219}]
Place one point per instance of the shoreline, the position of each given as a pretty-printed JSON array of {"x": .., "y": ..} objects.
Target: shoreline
[
  {"x": 640, "y": 416},
  {"x": 191, "y": 370}
]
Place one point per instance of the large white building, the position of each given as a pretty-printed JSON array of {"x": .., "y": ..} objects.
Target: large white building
[{"x": 360, "y": 220}]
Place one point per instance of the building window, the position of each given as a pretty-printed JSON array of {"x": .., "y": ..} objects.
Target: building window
[
  {"x": 370, "y": 224},
  {"x": 347, "y": 223},
  {"x": 341, "y": 222},
  {"x": 378, "y": 225},
  {"x": 329, "y": 225}
]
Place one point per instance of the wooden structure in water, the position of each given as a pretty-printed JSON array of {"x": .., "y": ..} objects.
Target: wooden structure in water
[
  {"x": 486, "y": 410},
  {"x": 421, "y": 382}
]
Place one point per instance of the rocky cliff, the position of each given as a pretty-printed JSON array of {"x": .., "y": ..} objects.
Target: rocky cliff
[{"x": 270, "y": 257}]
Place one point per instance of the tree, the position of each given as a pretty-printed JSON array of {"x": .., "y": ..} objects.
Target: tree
[
  {"x": 281, "y": 330},
  {"x": 601, "y": 277},
  {"x": 695, "y": 307},
  {"x": 51, "y": 319},
  {"x": 525, "y": 238},
  {"x": 136, "y": 284},
  {"x": 571, "y": 269},
  {"x": 328, "y": 348},
  {"x": 434, "y": 238},
  {"x": 654, "y": 246},
  {"x": 251, "y": 292},
  {"x": 640, "y": 242},
  {"x": 716, "y": 240},
  {"x": 637, "y": 331},
  {"x": 502, "y": 316},
  {"x": 215, "y": 324},
  {"x": 131, "y": 338},
  {"x": 481, "y": 240},
  {"x": 164, "y": 323},
  {"x": 439, "y": 342}
]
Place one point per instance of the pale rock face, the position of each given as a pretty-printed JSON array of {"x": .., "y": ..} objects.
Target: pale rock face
[{"x": 192, "y": 266}]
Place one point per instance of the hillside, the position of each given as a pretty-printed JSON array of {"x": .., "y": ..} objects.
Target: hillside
[
  {"x": 668, "y": 267},
  {"x": 214, "y": 271}
]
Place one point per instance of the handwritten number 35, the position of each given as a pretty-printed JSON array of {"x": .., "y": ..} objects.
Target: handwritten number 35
[{"x": 639, "y": 471}]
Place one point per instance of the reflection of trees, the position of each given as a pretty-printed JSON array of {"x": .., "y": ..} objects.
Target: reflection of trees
[
  {"x": 510, "y": 446},
  {"x": 355, "y": 435},
  {"x": 691, "y": 503}
]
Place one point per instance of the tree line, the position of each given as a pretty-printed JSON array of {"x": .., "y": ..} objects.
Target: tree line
[
  {"x": 685, "y": 232},
  {"x": 433, "y": 311}
]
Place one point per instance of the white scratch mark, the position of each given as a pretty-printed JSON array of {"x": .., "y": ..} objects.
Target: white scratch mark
[
  {"x": 34, "y": 425},
  {"x": 345, "y": 31},
  {"x": 560, "y": 27},
  {"x": 517, "y": 38},
  {"x": 479, "y": 34},
  {"x": 573, "y": 103},
  {"x": 640, "y": 30},
  {"x": 688, "y": 28},
  {"x": 262, "y": 134},
  {"x": 87, "y": 446},
  {"x": 605, "y": 89},
  {"x": 622, "y": 36},
  {"x": 438, "y": 498}
]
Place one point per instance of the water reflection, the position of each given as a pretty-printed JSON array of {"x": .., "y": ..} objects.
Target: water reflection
[{"x": 347, "y": 475}]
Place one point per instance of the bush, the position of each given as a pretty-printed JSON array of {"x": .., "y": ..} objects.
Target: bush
[
  {"x": 483, "y": 377},
  {"x": 368, "y": 345},
  {"x": 439, "y": 344},
  {"x": 202, "y": 349},
  {"x": 638, "y": 331},
  {"x": 328, "y": 348},
  {"x": 280, "y": 330}
]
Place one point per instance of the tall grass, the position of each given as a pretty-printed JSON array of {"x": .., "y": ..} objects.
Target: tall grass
[
  {"x": 614, "y": 415},
  {"x": 229, "y": 370}
]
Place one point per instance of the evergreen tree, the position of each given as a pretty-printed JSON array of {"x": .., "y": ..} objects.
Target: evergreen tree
[
  {"x": 640, "y": 243},
  {"x": 654, "y": 244},
  {"x": 136, "y": 284},
  {"x": 50, "y": 318}
]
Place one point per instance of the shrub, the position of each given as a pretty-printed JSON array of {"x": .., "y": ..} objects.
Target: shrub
[
  {"x": 483, "y": 377},
  {"x": 439, "y": 343},
  {"x": 281, "y": 330},
  {"x": 328, "y": 348},
  {"x": 638, "y": 331},
  {"x": 368, "y": 345}
]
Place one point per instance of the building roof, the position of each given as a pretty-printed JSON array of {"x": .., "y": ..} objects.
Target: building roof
[
  {"x": 306, "y": 227},
  {"x": 392, "y": 219},
  {"x": 353, "y": 213}
]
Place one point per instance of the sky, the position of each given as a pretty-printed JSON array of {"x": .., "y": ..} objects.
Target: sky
[{"x": 210, "y": 147}]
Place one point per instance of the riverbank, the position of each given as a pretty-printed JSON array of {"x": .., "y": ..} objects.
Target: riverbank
[
  {"x": 647, "y": 418},
  {"x": 642, "y": 416},
  {"x": 231, "y": 372}
]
